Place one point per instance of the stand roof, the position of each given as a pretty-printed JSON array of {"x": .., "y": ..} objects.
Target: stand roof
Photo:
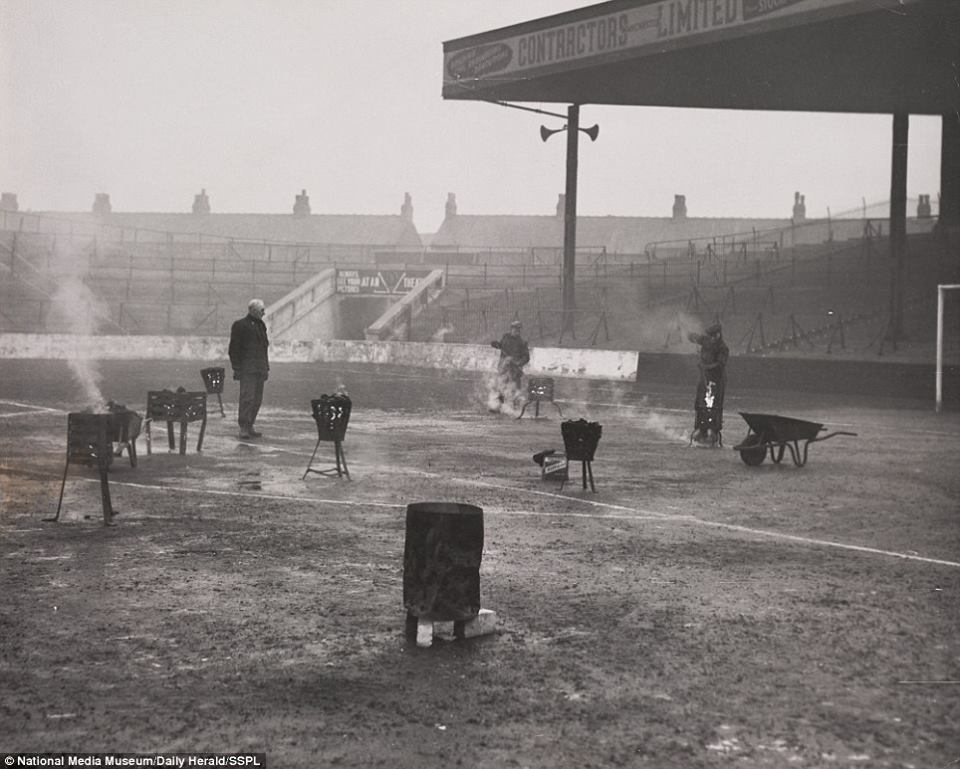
[{"x": 870, "y": 56}]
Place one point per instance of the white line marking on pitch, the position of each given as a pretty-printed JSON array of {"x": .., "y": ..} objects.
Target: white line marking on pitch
[
  {"x": 35, "y": 409},
  {"x": 823, "y": 542},
  {"x": 612, "y": 516},
  {"x": 22, "y": 414},
  {"x": 633, "y": 406},
  {"x": 224, "y": 493},
  {"x": 731, "y": 526},
  {"x": 631, "y": 514}
]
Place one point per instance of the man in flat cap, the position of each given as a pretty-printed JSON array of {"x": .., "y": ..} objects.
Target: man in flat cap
[
  {"x": 514, "y": 355},
  {"x": 708, "y": 404}
]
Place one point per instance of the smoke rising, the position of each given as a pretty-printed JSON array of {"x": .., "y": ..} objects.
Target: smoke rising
[
  {"x": 498, "y": 393},
  {"x": 658, "y": 423},
  {"x": 657, "y": 327},
  {"x": 662, "y": 327},
  {"x": 582, "y": 399},
  {"x": 75, "y": 308}
]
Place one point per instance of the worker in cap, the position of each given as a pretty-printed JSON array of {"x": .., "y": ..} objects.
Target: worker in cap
[
  {"x": 708, "y": 402},
  {"x": 514, "y": 355}
]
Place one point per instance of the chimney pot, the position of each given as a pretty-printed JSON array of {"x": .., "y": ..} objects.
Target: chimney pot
[
  {"x": 679, "y": 206},
  {"x": 8, "y": 202},
  {"x": 101, "y": 204},
  {"x": 799, "y": 207},
  {"x": 201, "y": 203},
  {"x": 451, "y": 205},
  {"x": 301, "y": 206}
]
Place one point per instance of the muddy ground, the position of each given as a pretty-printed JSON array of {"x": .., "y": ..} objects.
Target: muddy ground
[{"x": 694, "y": 612}]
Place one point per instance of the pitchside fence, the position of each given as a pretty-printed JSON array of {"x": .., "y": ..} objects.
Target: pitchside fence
[{"x": 828, "y": 300}]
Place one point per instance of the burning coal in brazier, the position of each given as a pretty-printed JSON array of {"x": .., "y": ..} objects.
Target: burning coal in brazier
[
  {"x": 580, "y": 439},
  {"x": 93, "y": 439},
  {"x": 213, "y": 378},
  {"x": 332, "y": 415},
  {"x": 180, "y": 406},
  {"x": 539, "y": 390},
  {"x": 89, "y": 443},
  {"x": 124, "y": 428}
]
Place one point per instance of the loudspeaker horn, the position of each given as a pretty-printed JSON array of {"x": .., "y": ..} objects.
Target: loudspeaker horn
[{"x": 546, "y": 133}]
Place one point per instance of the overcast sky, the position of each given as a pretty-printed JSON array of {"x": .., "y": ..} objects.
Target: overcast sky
[{"x": 254, "y": 100}]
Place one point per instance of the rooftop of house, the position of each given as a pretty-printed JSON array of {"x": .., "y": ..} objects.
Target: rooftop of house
[
  {"x": 299, "y": 226},
  {"x": 617, "y": 234}
]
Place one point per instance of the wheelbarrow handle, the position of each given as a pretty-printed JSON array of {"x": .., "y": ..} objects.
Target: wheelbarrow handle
[{"x": 830, "y": 435}]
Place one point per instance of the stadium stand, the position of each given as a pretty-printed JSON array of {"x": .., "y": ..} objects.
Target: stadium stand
[{"x": 815, "y": 287}]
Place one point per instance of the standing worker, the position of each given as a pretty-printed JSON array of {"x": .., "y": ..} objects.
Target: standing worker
[
  {"x": 248, "y": 357},
  {"x": 514, "y": 355},
  {"x": 708, "y": 404}
]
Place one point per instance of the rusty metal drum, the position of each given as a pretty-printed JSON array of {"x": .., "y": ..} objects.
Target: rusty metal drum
[{"x": 441, "y": 561}]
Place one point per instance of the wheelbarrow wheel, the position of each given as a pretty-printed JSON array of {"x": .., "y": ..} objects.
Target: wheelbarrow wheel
[{"x": 754, "y": 453}]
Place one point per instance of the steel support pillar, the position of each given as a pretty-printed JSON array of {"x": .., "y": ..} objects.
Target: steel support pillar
[
  {"x": 950, "y": 173},
  {"x": 898, "y": 223},
  {"x": 569, "y": 302}
]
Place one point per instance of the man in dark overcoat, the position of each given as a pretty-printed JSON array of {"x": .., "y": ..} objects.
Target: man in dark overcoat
[{"x": 251, "y": 367}]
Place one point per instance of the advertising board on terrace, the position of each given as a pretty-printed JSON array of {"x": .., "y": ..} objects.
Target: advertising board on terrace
[
  {"x": 373, "y": 281},
  {"x": 642, "y": 30}
]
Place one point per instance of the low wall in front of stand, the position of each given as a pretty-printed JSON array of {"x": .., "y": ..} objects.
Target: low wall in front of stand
[
  {"x": 618, "y": 365},
  {"x": 867, "y": 378}
]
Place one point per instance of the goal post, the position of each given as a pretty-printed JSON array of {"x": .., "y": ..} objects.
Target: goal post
[{"x": 942, "y": 290}]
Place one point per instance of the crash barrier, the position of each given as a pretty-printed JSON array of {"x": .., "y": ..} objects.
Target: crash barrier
[
  {"x": 396, "y": 321},
  {"x": 307, "y": 311}
]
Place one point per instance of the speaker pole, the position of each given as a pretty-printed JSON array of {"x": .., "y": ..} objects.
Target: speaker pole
[
  {"x": 570, "y": 221},
  {"x": 569, "y": 274}
]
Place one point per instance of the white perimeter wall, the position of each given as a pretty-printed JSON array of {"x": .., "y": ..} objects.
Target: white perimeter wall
[{"x": 618, "y": 365}]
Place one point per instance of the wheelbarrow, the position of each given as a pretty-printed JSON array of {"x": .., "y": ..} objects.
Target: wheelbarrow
[{"x": 777, "y": 434}]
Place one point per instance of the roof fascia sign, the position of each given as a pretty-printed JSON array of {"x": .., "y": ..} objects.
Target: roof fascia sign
[{"x": 641, "y": 30}]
